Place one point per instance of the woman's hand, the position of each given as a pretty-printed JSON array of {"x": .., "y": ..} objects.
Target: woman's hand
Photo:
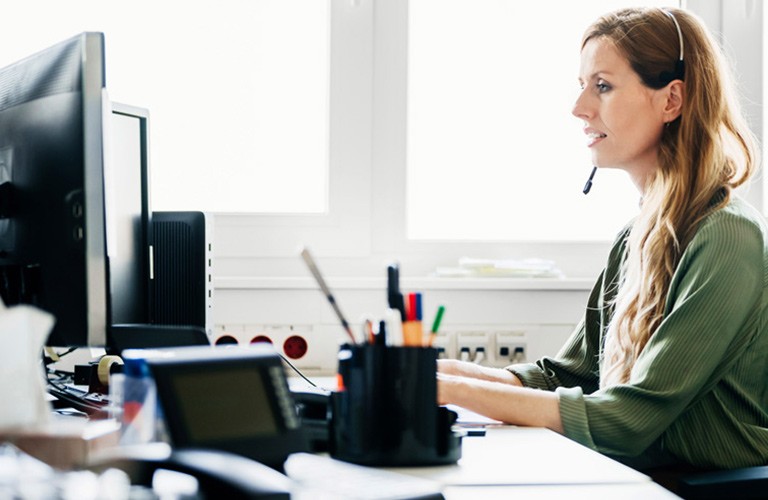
[
  {"x": 446, "y": 386},
  {"x": 472, "y": 370},
  {"x": 500, "y": 401}
]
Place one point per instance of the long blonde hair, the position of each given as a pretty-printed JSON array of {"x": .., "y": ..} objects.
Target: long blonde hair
[{"x": 708, "y": 150}]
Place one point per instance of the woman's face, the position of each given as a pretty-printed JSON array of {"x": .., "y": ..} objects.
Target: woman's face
[{"x": 623, "y": 119}]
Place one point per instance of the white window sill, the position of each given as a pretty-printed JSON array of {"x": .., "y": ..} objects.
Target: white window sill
[{"x": 423, "y": 283}]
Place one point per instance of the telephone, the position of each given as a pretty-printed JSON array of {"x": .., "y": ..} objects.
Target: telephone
[
  {"x": 234, "y": 399},
  {"x": 233, "y": 425},
  {"x": 219, "y": 474}
]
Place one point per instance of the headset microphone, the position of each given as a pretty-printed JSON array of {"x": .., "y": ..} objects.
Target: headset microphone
[{"x": 588, "y": 185}]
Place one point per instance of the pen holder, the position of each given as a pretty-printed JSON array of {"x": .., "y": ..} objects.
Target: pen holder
[{"x": 387, "y": 413}]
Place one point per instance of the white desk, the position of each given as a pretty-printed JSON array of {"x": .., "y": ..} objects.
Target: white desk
[
  {"x": 535, "y": 463},
  {"x": 642, "y": 491},
  {"x": 529, "y": 462}
]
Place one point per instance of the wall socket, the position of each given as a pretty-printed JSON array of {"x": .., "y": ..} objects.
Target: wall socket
[
  {"x": 313, "y": 349},
  {"x": 499, "y": 346}
]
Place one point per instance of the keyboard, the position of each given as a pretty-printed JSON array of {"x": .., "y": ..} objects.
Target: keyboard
[{"x": 321, "y": 477}]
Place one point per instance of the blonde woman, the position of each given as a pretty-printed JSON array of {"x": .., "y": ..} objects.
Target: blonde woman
[{"x": 669, "y": 365}]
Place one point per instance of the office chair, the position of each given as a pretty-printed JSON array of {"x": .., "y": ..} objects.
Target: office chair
[{"x": 748, "y": 482}]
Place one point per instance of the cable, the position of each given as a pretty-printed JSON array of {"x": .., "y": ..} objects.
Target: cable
[
  {"x": 299, "y": 372},
  {"x": 78, "y": 399}
]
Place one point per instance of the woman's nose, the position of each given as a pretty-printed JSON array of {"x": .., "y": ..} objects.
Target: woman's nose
[{"x": 580, "y": 107}]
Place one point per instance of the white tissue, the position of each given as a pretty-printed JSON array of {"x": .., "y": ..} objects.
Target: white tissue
[{"x": 23, "y": 332}]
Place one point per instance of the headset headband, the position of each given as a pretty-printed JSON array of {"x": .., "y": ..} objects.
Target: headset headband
[{"x": 679, "y": 73}]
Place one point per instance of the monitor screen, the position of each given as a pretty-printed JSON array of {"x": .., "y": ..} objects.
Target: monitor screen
[
  {"x": 52, "y": 222},
  {"x": 128, "y": 216}
]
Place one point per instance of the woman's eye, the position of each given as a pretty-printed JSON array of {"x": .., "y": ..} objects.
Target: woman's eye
[{"x": 603, "y": 87}]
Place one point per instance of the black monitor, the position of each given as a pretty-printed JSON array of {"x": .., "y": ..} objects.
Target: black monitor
[
  {"x": 129, "y": 234},
  {"x": 53, "y": 107}
]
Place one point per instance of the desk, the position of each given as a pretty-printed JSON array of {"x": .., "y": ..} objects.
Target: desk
[
  {"x": 528, "y": 462},
  {"x": 643, "y": 491},
  {"x": 535, "y": 463},
  {"x": 527, "y": 456}
]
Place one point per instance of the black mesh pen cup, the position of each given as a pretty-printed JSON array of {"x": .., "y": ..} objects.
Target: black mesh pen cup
[{"x": 387, "y": 412}]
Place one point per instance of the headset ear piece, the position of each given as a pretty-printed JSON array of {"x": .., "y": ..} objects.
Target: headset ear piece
[{"x": 667, "y": 76}]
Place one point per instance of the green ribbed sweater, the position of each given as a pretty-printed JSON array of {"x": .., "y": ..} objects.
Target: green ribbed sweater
[{"x": 698, "y": 393}]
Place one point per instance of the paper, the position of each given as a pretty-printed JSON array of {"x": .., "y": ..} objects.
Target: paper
[
  {"x": 509, "y": 268},
  {"x": 24, "y": 331},
  {"x": 470, "y": 418}
]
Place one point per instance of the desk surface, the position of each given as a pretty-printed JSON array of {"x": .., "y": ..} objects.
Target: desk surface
[
  {"x": 635, "y": 491},
  {"x": 536, "y": 463},
  {"x": 509, "y": 455},
  {"x": 532, "y": 462}
]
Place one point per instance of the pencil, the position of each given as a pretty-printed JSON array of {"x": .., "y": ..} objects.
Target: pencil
[{"x": 320, "y": 281}]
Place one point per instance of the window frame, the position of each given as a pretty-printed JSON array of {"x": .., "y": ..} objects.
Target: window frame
[
  {"x": 336, "y": 232},
  {"x": 367, "y": 167}
]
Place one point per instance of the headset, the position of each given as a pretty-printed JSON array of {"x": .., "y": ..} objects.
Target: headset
[
  {"x": 679, "y": 72},
  {"x": 665, "y": 77}
]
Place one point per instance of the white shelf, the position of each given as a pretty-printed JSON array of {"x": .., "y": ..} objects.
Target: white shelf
[{"x": 423, "y": 283}]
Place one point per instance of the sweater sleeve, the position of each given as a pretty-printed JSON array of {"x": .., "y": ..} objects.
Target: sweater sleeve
[
  {"x": 714, "y": 293},
  {"x": 576, "y": 364}
]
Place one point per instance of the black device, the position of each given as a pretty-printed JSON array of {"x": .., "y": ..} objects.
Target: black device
[
  {"x": 128, "y": 216},
  {"x": 234, "y": 399},
  {"x": 313, "y": 408},
  {"x": 159, "y": 289},
  {"x": 220, "y": 474},
  {"x": 140, "y": 336},
  {"x": 52, "y": 228},
  {"x": 588, "y": 185},
  {"x": 183, "y": 289}
]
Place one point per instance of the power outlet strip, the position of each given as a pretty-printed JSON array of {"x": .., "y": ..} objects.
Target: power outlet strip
[
  {"x": 311, "y": 349},
  {"x": 499, "y": 346}
]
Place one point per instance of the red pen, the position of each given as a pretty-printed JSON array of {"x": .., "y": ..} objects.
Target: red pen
[{"x": 411, "y": 307}]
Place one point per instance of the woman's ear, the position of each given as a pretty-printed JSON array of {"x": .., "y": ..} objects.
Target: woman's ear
[{"x": 673, "y": 106}]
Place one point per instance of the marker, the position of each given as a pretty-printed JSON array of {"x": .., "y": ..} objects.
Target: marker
[
  {"x": 419, "y": 313},
  {"x": 436, "y": 323},
  {"x": 368, "y": 333},
  {"x": 394, "y": 327},
  {"x": 320, "y": 281},
  {"x": 411, "y": 309},
  {"x": 381, "y": 335},
  {"x": 394, "y": 297}
]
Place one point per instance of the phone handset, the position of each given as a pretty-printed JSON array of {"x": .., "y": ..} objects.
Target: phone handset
[{"x": 220, "y": 474}]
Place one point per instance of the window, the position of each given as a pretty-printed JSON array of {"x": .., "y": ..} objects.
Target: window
[
  {"x": 491, "y": 84},
  {"x": 422, "y": 130},
  {"x": 232, "y": 88}
]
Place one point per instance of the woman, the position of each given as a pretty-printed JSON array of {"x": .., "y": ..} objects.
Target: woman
[{"x": 670, "y": 363}]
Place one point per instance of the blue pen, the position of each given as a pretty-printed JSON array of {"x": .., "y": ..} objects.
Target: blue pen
[{"x": 418, "y": 306}]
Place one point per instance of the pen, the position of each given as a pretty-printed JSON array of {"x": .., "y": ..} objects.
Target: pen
[
  {"x": 411, "y": 312},
  {"x": 394, "y": 297},
  {"x": 394, "y": 327},
  {"x": 381, "y": 336},
  {"x": 418, "y": 307},
  {"x": 393, "y": 285},
  {"x": 436, "y": 323},
  {"x": 320, "y": 281}
]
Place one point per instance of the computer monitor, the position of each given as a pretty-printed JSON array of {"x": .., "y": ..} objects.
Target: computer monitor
[
  {"x": 129, "y": 230},
  {"x": 53, "y": 107}
]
